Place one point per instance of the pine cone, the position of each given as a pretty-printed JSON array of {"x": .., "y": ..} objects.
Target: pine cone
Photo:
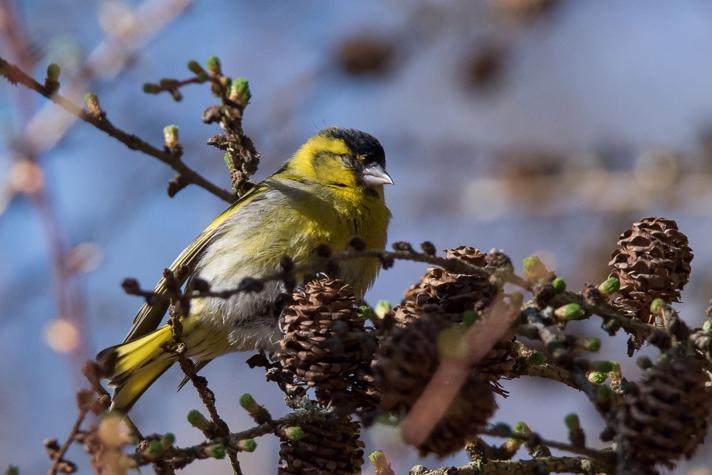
[
  {"x": 668, "y": 416},
  {"x": 442, "y": 292},
  {"x": 652, "y": 261},
  {"x": 405, "y": 363},
  {"x": 325, "y": 344},
  {"x": 326, "y": 448}
]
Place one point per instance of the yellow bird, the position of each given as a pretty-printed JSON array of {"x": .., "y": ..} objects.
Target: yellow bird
[{"x": 330, "y": 191}]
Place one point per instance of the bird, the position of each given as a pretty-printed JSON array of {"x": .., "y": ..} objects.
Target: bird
[{"x": 330, "y": 191}]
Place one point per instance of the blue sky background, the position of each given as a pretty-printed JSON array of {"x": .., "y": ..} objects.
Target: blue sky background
[{"x": 608, "y": 78}]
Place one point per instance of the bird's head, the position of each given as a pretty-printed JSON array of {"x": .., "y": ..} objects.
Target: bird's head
[{"x": 341, "y": 158}]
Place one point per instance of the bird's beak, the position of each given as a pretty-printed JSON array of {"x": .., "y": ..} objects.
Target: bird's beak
[{"x": 375, "y": 175}]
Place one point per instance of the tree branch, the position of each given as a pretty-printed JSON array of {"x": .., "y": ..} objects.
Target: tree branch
[{"x": 172, "y": 158}]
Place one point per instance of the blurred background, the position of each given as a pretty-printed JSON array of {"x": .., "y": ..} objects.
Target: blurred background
[{"x": 535, "y": 126}]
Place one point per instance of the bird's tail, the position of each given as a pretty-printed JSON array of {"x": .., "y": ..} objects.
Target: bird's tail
[{"x": 133, "y": 366}]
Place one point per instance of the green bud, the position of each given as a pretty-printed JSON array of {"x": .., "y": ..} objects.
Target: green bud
[
  {"x": 469, "y": 317},
  {"x": 213, "y": 64},
  {"x": 168, "y": 440},
  {"x": 247, "y": 445},
  {"x": 150, "y": 88},
  {"x": 91, "y": 102},
  {"x": 293, "y": 433},
  {"x": 559, "y": 285},
  {"x": 604, "y": 366},
  {"x": 644, "y": 362},
  {"x": 53, "y": 72},
  {"x": 615, "y": 366},
  {"x": 592, "y": 344},
  {"x": 155, "y": 448},
  {"x": 382, "y": 308},
  {"x": 570, "y": 311},
  {"x": 170, "y": 136},
  {"x": 707, "y": 326},
  {"x": 12, "y": 470},
  {"x": 572, "y": 421},
  {"x": 597, "y": 377},
  {"x": 534, "y": 268},
  {"x": 198, "y": 420},
  {"x": 537, "y": 358},
  {"x": 365, "y": 312},
  {"x": 216, "y": 450},
  {"x": 610, "y": 286},
  {"x": 376, "y": 456},
  {"x": 195, "y": 68},
  {"x": 521, "y": 428},
  {"x": 240, "y": 91},
  {"x": 657, "y": 306},
  {"x": 248, "y": 402}
]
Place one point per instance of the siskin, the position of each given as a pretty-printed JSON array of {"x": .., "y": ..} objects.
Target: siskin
[{"x": 330, "y": 191}]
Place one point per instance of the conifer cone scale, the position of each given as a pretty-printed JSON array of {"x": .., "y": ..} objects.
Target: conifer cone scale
[
  {"x": 652, "y": 260},
  {"x": 325, "y": 344},
  {"x": 667, "y": 417},
  {"x": 448, "y": 294},
  {"x": 326, "y": 448}
]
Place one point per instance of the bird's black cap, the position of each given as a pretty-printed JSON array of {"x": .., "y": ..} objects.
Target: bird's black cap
[{"x": 360, "y": 143}]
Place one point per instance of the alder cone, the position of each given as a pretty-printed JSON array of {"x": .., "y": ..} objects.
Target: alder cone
[
  {"x": 326, "y": 448},
  {"x": 448, "y": 294},
  {"x": 325, "y": 344},
  {"x": 667, "y": 417},
  {"x": 403, "y": 366},
  {"x": 652, "y": 260}
]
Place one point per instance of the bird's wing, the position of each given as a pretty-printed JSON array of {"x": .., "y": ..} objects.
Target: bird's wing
[{"x": 150, "y": 315}]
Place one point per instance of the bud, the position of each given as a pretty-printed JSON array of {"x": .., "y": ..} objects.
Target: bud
[
  {"x": 365, "y": 312},
  {"x": 213, "y": 64},
  {"x": 537, "y": 358},
  {"x": 170, "y": 136},
  {"x": 597, "y": 377},
  {"x": 605, "y": 366},
  {"x": 603, "y": 397},
  {"x": 91, "y": 102},
  {"x": 559, "y": 285},
  {"x": 153, "y": 449},
  {"x": 592, "y": 344},
  {"x": 168, "y": 440},
  {"x": 571, "y": 311},
  {"x": 51, "y": 83},
  {"x": 293, "y": 433},
  {"x": 707, "y": 326},
  {"x": 195, "y": 68},
  {"x": 610, "y": 286},
  {"x": 534, "y": 269},
  {"x": 198, "y": 420},
  {"x": 428, "y": 248},
  {"x": 383, "y": 307},
  {"x": 572, "y": 422},
  {"x": 150, "y": 88},
  {"x": 247, "y": 445},
  {"x": 380, "y": 463},
  {"x": 240, "y": 91},
  {"x": 657, "y": 306},
  {"x": 216, "y": 451},
  {"x": 248, "y": 402},
  {"x": 521, "y": 428}
]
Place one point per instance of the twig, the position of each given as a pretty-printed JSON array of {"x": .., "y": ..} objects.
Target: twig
[
  {"x": 520, "y": 467},
  {"x": 59, "y": 456},
  {"x": 172, "y": 158}
]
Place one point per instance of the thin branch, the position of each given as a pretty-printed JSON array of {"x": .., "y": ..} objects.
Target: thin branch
[
  {"x": 520, "y": 467},
  {"x": 172, "y": 158},
  {"x": 58, "y": 458}
]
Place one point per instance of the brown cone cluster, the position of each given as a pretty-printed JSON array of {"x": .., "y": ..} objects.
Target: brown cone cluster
[
  {"x": 325, "y": 344},
  {"x": 405, "y": 363},
  {"x": 668, "y": 417},
  {"x": 327, "y": 448},
  {"x": 652, "y": 260},
  {"x": 448, "y": 294}
]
